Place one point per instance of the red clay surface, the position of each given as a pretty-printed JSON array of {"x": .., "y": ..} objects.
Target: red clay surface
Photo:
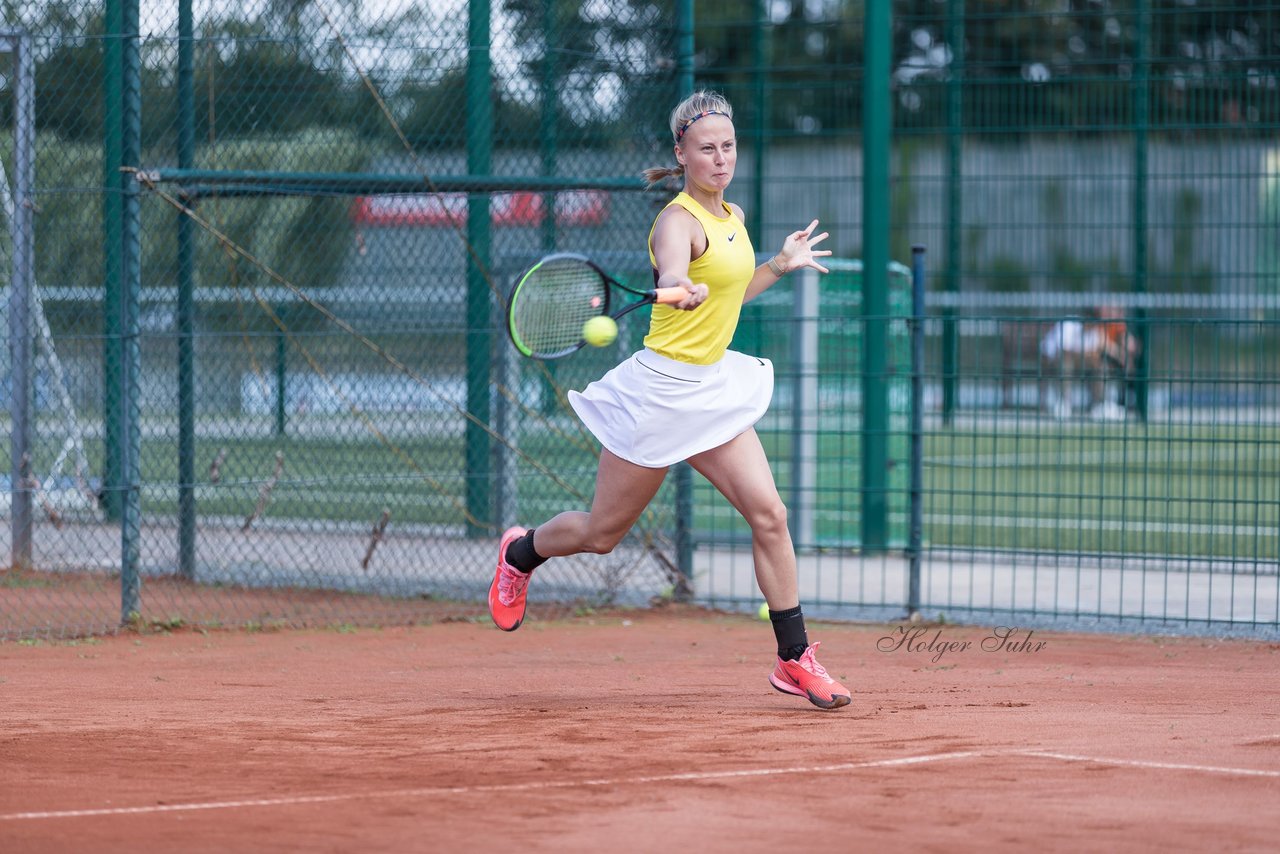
[{"x": 637, "y": 731}]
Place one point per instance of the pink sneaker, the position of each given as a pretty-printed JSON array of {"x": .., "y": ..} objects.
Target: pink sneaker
[
  {"x": 805, "y": 677},
  {"x": 507, "y": 592}
]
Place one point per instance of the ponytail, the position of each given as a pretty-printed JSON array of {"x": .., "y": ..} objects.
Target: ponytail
[{"x": 658, "y": 174}]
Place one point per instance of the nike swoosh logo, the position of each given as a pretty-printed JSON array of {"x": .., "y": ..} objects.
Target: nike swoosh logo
[{"x": 731, "y": 236}]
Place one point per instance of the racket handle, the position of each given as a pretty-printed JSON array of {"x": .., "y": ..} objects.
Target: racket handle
[{"x": 669, "y": 296}]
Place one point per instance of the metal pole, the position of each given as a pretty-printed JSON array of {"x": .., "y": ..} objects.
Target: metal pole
[
  {"x": 955, "y": 260},
  {"x": 506, "y": 499},
  {"x": 549, "y": 120},
  {"x": 876, "y": 131},
  {"x": 760, "y": 78},
  {"x": 186, "y": 301},
  {"x": 479, "y": 299},
  {"x": 548, "y": 132},
  {"x": 749, "y": 335},
  {"x": 1141, "y": 117},
  {"x": 682, "y": 472},
  {"x": 804, "y": 410},
  {"x": 131, "y": 294},
  {"x": 684, "y": 48},
  {"x": 20, "y": 297},
  {"x": 112, "y": 241},
  {"x": 915, "y": 531},
  {"x": 259, "y": 182}
]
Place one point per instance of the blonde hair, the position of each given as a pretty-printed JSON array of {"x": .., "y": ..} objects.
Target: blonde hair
[{"x": 698, "y": 105}]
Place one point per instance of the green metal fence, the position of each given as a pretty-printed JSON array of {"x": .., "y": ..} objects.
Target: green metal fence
[
  {"x": 255, "y": 373},
  {"x": 1129, "y": 167}
]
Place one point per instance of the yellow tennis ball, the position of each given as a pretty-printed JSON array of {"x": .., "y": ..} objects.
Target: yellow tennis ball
[
  {"x": 600, "y": 331},
  {"x": 763, "y": 613}
]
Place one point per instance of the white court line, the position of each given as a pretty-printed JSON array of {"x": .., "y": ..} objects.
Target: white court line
[
  {"x": 1159, "y": 766},
  {"x": 696, "y": 776}
]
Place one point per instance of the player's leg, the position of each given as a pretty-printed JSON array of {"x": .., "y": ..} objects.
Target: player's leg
[
  {"x": 623, "y": 490},
  {"x": 1051, "y": 379},
  {"x": 1067, "y": 376},
  {"x": 740, "y": 470},
  {"x": 1093, "y": 376}
]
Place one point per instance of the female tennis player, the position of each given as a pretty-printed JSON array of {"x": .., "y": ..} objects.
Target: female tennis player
[{"x": 686, "y": 396}]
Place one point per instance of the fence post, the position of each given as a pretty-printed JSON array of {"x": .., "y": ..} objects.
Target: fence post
[
  {"x": 130, "y": 296},
  {"x": 112, "y": 242},
  {"x": 915, "y": 530},
  {"x": 955, "y": 165},
  {"x": 20, "y": 296},
  {"x": 682, "y": 472},
  {"x": 479, "y": 341},
  {"x": 804, "y": 409},
  {"x": 186, "y": 301},
  {"x": 506, "y": 481},
  {"x": 1141, "y": 117},
  {"x": 548, "y": 139},
  {"x": 876, "y": 131},
  {"x": 759, "y": 132}
]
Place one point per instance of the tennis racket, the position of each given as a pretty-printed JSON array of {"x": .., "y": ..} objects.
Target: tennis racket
[{"x": 554, "y": 299}]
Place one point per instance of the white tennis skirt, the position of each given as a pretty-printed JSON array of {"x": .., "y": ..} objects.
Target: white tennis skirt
[{"x": 655, "y": 412}]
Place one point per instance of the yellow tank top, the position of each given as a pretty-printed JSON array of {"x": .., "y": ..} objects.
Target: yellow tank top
[{"x": 701, "y": 336}]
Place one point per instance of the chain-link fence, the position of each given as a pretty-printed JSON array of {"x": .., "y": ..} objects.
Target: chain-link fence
[
  {"x": 271, "y": 243},
  {"x": 255, "y": 370},
  {"x": 1096, "y": 186}
]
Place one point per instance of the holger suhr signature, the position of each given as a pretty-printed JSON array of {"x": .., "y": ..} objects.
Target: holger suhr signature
[{"x": 921, "y": 639}]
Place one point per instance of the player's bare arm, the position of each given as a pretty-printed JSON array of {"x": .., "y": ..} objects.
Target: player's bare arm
[{"x": 675, "y": 243}]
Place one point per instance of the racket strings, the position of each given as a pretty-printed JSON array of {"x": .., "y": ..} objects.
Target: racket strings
[{"x": 552, "y": 304}]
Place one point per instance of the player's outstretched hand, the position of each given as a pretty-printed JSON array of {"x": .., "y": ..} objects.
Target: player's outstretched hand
[{"x": 797, "y": 250}]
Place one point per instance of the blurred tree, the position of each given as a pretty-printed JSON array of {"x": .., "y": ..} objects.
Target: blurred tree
[
  {"x": 610, "y": 68},
  {"x": 813, "y": 62},
  {"x": 1049, "y": 65},
  {"x": 1030, "y": 65},
  {"x": 246, "y": 84},
  {"x": 69, "y": 79}
]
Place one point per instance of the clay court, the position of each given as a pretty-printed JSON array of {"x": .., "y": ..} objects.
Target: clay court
[{"x": 629, "y": 730}]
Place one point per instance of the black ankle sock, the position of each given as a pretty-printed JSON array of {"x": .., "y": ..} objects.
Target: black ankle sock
[
  {"x": 788, "y": 627},
  {"x": 522, "y": 556}
]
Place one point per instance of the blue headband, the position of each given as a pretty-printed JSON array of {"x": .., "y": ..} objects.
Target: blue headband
[{"x": 684, "y": 127}]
